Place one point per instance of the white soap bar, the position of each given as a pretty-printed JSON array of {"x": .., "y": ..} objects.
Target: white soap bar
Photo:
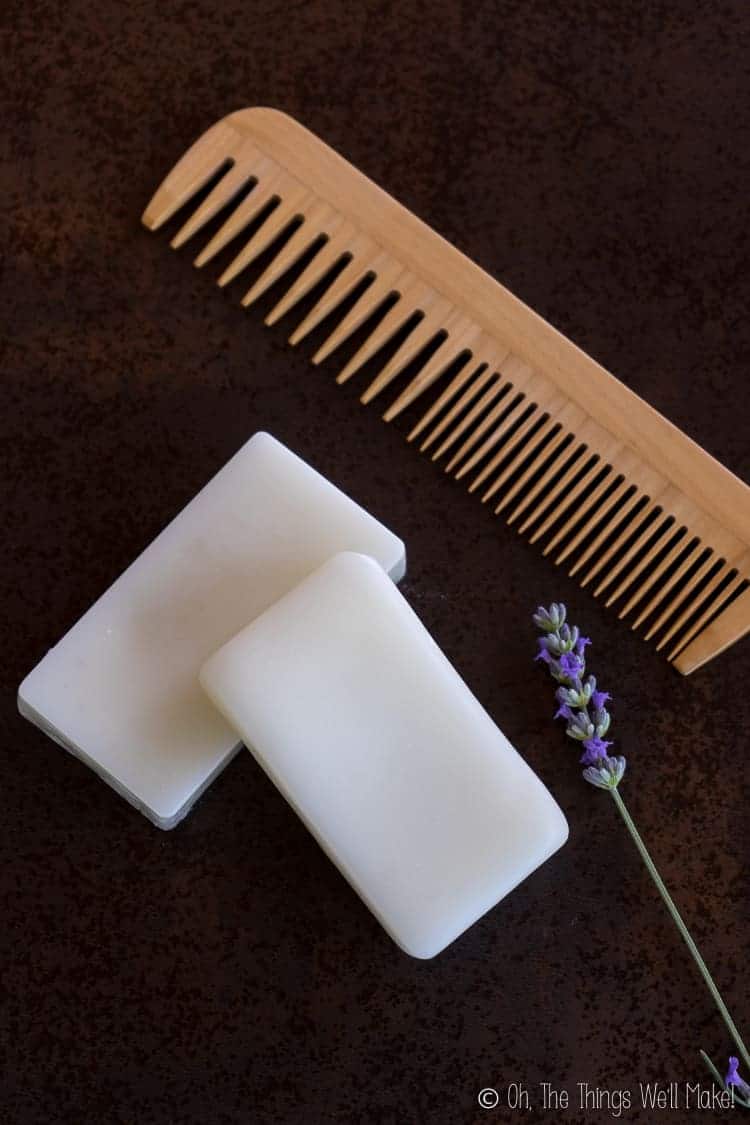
[
  {"x": 378, "y": 744},
  {"x": 121, "y": 689}
]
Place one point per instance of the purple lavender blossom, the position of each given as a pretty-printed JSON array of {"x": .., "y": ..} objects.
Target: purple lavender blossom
[
  {"x": 571, "y": 665},
  {"x": 594, "y": 749},
  {"x": 733, "y": 1078},
  {"x": 562, "y": 649}
]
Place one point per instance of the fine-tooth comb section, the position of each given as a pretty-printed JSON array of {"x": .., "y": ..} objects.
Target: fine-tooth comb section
[{"x": 545, "y": 437}]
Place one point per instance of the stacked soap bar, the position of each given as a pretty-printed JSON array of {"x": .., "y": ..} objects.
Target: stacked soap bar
[
  {"x": 121, "y": 689},
  {"x": 331, "y": 680},
  {"x": 380, "y": 747}
]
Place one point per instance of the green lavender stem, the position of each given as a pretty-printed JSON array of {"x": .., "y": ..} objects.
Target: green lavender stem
[{"x": 684, "y": 932}]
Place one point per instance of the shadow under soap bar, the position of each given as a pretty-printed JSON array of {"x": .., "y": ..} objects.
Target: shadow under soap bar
[
  {"x": 121, "y": 691},
  {"x": 379, "y": 746}
]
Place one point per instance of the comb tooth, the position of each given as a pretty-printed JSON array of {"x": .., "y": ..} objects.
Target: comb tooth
[
  {"x": 228, "y": 186},
  {"x": 482, "y": 378},
  {"x": 498, "y": 386},
  {"x": 657, "y": 531},
  {"x": 291, "y": 251},
  {"x": 504, "y": 412},
  {"x": 546, "y": 401},
  {"x": 615, "y": 518},
  {"x": 268, "y": 178},
  {"x": 640, "y": 590},
  {"x": 597, "y": 514},
  {"x": 412, "y": 297},
  {"x": 270, "y": 229},
  {"x": 708, "y": 612},
  {"x": 478, "y": 364},
  {"x": 571, "y": 417},
  {"x": 689, "y": 606},
  {"x": 202, "y": 161},
  {"x": 519, "y": 375},
  {"x": 461, "y": 335},
  {"x": 589, "y": 508},
  {"x": 632, "y": 526},
  {"x": 340, "y": 240},
  {"x": 551, "y": 451},
  {"x": 385, "y": 272},
  {"x": 671, "y": 603},
  {"x": 565, "y": 499},
  {"x": 516, "y": 442},
  {"x": 557, "y": 490},
  {"x": 527, "y": 507},
  {"x": 431, "y": 323}
]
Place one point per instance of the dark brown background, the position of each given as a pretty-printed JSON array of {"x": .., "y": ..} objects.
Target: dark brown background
[{"x": 594, "y": 159}]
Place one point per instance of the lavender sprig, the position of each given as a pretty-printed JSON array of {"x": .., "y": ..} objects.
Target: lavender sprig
[{"x": 583, "y": 706}]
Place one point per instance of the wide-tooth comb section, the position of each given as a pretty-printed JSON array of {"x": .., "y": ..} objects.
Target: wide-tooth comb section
[
  {"x": 318, "y": 216},
  {"x": 436, "y": 316},
  {"x": 413, "y": 298},
  {"x": 461, "y": 335},
  {"x": 565, "y": 453},
  {"x": 339, "y": 244},
  {"x": 279, "y": 219},
  {"x": 230, "y": 184},
  {"x": 192, "y": 172},
  {"x": 385, "y": 272},
  {"x": 266, "y": 182}
]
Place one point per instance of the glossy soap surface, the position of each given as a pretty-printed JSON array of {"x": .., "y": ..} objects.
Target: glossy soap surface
[
  {"x": 383, "y": 751},
  {"x": 121, "y": 691}
]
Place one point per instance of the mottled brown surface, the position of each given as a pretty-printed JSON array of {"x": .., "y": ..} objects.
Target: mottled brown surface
[{"x": 596, "y": 159}]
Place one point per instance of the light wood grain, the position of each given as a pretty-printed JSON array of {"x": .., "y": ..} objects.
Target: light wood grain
[{"x": 574, "y": 422}]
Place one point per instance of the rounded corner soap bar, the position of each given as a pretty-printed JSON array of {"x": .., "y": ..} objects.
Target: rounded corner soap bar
[
  {"x": 121, "y": 691},
  {"x": 377, "y": 743}
]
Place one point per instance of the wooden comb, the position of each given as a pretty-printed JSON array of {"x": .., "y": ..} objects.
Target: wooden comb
[{"x": 558, "y": 446}]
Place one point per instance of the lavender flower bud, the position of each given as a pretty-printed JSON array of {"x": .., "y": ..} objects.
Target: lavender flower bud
[
  {"x": 577, "y": 696},
  {"x": 550, "y": 620},
  {"x": 602, "y": 719},
  {"x": 580, "y": 727},
  {"x": 607, "y": 775},
  {"x": 567, "y": 638}
]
